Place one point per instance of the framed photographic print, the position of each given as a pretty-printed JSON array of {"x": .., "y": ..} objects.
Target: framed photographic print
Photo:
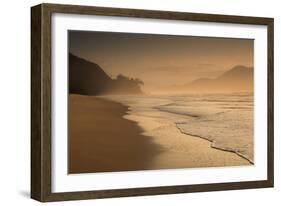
[{"x": 136, "y": 102}]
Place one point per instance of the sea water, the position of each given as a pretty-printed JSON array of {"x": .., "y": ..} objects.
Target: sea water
[{"x": 226, "y": 120}]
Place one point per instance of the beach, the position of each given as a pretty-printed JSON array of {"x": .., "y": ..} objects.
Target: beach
[
  {"x": 119, "y": 133},
  {"x": 100, "y": 140}
]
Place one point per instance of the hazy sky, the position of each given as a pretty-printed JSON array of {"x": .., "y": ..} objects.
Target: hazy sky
[{"x": 161, "y": 60}]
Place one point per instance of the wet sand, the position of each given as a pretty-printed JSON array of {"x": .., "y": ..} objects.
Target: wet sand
[{"x": 100, "y": 140}]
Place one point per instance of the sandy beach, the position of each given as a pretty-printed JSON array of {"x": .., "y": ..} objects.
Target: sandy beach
[
  {"x": 100, "y": 140},
  {"x": 105, "y": 135}
]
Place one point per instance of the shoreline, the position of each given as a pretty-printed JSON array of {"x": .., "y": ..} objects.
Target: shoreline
[
  {"x": 215, "y": 147},
  {"x": 185, "y": 151},
  {"x": 110, "y": 135},
  {"x": 181, "y": 150}
]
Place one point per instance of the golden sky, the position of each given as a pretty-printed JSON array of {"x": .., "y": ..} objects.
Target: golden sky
[{"x": 161, "y": 60}]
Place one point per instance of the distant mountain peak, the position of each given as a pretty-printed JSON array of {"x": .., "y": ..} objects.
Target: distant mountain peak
[
  {"x": 239, "y": 71},
  {"x": 240, "y": 68}
]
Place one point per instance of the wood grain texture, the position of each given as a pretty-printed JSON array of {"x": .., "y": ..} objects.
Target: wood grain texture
[
  {"x": 41, "y": 101},
  {"x": 270, "y": 103},
  {"x": 138, "y": 13},
  {"x": 36, "y": 152}
]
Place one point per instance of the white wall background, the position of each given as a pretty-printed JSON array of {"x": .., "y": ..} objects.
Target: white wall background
[{"x": 15, "y": 102}]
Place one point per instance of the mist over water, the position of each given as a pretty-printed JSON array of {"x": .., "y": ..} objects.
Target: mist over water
[{"x": 226, "y": 120}]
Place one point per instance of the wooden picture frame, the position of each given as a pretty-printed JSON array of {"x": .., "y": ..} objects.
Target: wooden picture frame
[{"x": 41, "y": 116}]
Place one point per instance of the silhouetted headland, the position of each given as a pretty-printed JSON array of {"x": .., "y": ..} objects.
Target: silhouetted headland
[{"x": 88, "y": 78}]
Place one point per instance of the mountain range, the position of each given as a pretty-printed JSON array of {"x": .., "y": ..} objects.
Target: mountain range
[{"x": 237, "y": 79}]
